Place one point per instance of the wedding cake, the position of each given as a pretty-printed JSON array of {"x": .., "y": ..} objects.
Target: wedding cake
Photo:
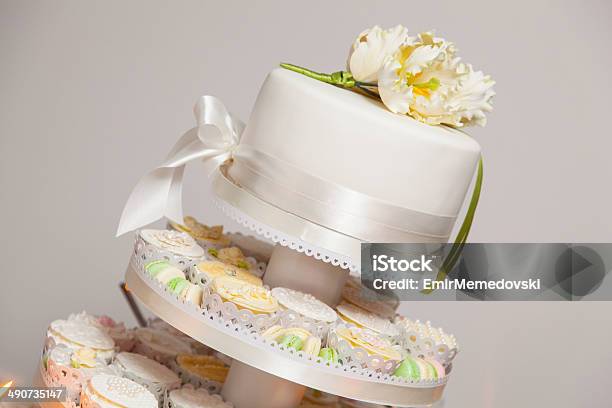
[{"x": 341, "y": 160}]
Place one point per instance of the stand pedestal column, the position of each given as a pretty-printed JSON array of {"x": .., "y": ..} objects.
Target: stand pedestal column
[
  {"x": 291, "y": 269},
  {"x": 248, "y": 387}
]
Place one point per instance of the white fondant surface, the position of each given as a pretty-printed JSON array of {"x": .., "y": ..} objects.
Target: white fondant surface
[{"x": 354, "y": 141}]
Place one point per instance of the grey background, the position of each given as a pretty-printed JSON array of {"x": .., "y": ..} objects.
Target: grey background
[{"x": 94, "y": 94}]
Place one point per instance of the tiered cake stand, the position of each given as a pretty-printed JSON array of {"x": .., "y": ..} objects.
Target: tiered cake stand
[{"x": 263, "y": 374}]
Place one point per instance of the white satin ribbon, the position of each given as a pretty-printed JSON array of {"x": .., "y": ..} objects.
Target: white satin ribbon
[{"x": 158, "y": 193}]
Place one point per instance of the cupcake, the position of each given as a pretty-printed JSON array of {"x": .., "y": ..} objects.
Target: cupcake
[
  {"x": 381, "y": 353},
  {"x": 202, "y": 371},
  {"x": 152, "y": 375},
  {"x": 418, "y": 369},
  {"x": 77, "y": 334},
  {"x": 362, "y": 318},
  {"x": 124, "y": 338},
  {"x": 244, "y": 295},
  {"x": 295, "y": 338},
  {"x": 177, "y": 243},
  {"x": 423, "y": 340},
  {"x": 213, "y": 269},
  {"x": 109, "y": 391},
  {"x": 304, "y": 304},
  {"x": 369, "y": 300},
  {"x": 70, "y": 368},
  {"x": 205, "y": 235},
  {"x": 188, "y": 397},
  {"x": 196, "y": 346},
  {"x": 159, "y": 345}
]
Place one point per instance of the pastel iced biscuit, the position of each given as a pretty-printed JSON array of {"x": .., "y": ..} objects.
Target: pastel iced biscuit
[
  {"x": 78, "y": 334},
  {"x": 370, "y": 341},
  {"x": 245, "y": 295},
  {"x": 146, "y": 371},
  {"x": 210, "y": 235},
  {"x": 416, "y": 369},
  {"x": 109, "y": 391},
  {"x": 178, "y": 243},
  {"x": 362, "y": 318},
  {"x": 304, "y": 304},
  {"x": 188, "y": 397},
  {"x": 204, "y": 367},
  {"x": 213, "y": 269}
]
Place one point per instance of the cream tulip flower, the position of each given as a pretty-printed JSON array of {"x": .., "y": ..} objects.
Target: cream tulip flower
[
  {"x": 425, "y": 80},
  {"x": 370, "y": 50}
]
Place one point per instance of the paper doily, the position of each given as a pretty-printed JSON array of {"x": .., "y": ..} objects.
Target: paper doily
[{"x": 288, "y": 241}]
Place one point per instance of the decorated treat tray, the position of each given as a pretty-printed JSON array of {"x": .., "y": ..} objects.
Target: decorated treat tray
[{"x": 250, "y": 348}]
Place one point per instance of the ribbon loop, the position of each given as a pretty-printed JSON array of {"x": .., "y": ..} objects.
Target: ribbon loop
[{"x": 159, "y": 192}]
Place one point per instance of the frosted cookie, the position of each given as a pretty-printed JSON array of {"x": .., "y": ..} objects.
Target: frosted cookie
[
  {"x": 159, "y": 345},
  {"x": 152, "y": 375},
  {"x": 416, "y": 369},
  {"x": 362, "y": 318},
  {"x": 369, "y": 300},
  {"x": 78, "y": 334},
  {"x": 370, "y": 341},
  {"x": 188, "y": 397},
  {"x": 109, "y": 391},
  {"x": 213, "y": 269},
  {"x": 255, "y": 298},
  {"x": 203, "y": 368},
  {"x": 304, "y": 304},
  {"x": 178, "y": 243},
  {"x": 209, "y": 236}
]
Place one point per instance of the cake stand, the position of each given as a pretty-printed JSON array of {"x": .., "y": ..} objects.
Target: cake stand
[{"x": 262, "y": 375}]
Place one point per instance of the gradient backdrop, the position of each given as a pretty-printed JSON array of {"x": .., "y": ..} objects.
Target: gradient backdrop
[{"x": 94, "y": 93}]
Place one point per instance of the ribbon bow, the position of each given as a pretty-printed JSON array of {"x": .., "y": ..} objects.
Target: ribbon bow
[{"x": 158, "y": 193}]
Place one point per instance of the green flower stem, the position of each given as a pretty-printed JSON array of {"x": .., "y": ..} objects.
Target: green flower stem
[
  {"x": 455, "y": 252},
  {"x": 343, "y": 79}
]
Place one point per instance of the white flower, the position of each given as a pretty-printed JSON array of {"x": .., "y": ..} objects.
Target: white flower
[
  {"x": 425, "y": 80},
  {"x": 370, "y": 50}
]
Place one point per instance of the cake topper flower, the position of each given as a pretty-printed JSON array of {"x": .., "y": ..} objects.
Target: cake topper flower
[{"x": 417, "y": 76}]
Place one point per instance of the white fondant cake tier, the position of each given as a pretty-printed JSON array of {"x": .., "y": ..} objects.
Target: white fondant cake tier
[{"x": 345, "y": 162}]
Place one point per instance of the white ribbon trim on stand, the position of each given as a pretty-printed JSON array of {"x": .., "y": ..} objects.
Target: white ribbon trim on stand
[{"x": 158, "y": 193}]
